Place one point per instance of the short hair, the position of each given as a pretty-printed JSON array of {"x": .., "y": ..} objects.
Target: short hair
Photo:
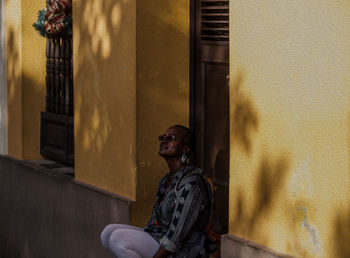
[{"x": 187, "y": 134}]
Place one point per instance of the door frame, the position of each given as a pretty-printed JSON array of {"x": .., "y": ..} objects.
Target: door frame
[
  {"x": 192, "y": 63},
  {"x": 194, "y": 107},
  {"x": 3, "y": 82},
  {"x": 195, "y": 68},
  {"x": 197, "y": 96}
]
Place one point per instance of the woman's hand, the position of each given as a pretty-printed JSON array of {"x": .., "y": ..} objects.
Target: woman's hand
[{"x": 161, "y": 253}]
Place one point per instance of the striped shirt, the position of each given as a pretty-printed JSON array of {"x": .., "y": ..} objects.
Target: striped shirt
[{"x": 180, "y": 214}]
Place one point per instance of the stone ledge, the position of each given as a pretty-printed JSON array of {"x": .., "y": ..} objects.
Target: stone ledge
[
  {"x": 237, "y": 247},
  {"x": 45, "y": 214},
  {"x": 57, "y": 173}
]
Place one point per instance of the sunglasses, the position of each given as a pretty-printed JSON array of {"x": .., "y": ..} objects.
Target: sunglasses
[{"x": 169, "y": 138}]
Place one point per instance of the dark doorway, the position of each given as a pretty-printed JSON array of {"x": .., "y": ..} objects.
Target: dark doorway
[{"x": 209, "y": 96}]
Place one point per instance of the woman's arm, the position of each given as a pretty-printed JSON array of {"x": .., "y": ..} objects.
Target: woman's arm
[
  {"x": 159, "y": 194},
  {"x": 161, "y": 253}
]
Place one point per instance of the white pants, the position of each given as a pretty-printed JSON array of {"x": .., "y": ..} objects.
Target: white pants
[{"x": 128, "y": 241}]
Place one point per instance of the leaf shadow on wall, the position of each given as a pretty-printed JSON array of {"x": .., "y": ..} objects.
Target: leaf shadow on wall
[
  {"x": 270, "y": 180},
  {"x": 341, "y": 234},
  {"x": 245, "y": 119},
  {"x": 271, "y": 175},
  {"x": 99, "y": 31}
]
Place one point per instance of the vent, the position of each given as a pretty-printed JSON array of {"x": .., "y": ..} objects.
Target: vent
[{"x": 215, "y": 20}]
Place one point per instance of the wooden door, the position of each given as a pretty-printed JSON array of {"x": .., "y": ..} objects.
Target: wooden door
[{"x": 210, "y": 95}]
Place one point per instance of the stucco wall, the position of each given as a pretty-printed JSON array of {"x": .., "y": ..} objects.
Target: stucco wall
[
  {"x": 33, "y": 78},
  {"x": 104, "y": 61},
  {"x": 162, "y": 90},
  {"x": 105, "y": 88},
  {"x": 3, "y": 82},
  {"x": 289, "y": 167},
  {"x": 25, "y": 78},
  {"x": 14, "y": 76}
]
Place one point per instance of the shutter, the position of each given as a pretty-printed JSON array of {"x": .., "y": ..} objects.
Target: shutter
[
  {"x": 211, "y": 97},
  {"x": 214, "y": 20}
]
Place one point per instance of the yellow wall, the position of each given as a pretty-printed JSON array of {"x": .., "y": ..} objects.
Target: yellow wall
[
  {"x": 107, "y": 104},
  {"x": 289, "y": 168},
  {"x": 104, "y": 64},
  {"x": 289, "y": 98},
  {"x": 25, "y": 78},
  {"x": 162, "y": 90},
  {"x": 14, "y": 76},
  {"x": 33, "y": 78}
]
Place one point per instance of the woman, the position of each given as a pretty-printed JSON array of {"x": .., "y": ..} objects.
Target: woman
[{"x": 180, "y": 214}]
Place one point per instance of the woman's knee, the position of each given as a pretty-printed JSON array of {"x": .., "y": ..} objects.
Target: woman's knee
[
  {"x": 106, "y": 234},
  {"x": 118, "y": 242}
]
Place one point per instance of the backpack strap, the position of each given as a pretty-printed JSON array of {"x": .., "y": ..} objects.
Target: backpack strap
[
  {"x": 204, "y": 184},
  {"x": 210, "y": 233},
  {"x": 207, "y": 186}
]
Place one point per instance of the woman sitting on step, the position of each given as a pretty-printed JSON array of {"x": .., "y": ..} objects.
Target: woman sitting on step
[{"x": 180, "y": 214}]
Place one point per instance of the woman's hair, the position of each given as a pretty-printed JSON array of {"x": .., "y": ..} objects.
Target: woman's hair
[{"x": 186, "y": 134}]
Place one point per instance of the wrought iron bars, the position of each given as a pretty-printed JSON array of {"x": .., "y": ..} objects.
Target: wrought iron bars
[{"x": 59, "y": 76}]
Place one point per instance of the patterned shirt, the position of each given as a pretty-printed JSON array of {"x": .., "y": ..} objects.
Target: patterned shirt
[{"x": 181, "y": 213}]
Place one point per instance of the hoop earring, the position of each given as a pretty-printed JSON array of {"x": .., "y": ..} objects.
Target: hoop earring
[{"x": 183, "y": 158}]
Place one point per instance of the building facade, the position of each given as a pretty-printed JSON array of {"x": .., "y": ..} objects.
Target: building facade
[{"x": 288, "y": 168}]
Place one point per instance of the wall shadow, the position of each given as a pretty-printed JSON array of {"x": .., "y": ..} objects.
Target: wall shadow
[
  {"x": 341, "y": 234},
  {"x": 98, "y": 28},
  {"x": 245, "y": 118},
  {"x": 105, "y": 68},
  {"x": 104, "y": 94},
  {"x": 14, "y": 94},
  {"x": 25, "y": 87},
  {"x": 270, "y": 180},
  {"x": 13, "y": 63},
  {"x": 33, "y": 103},
  {"x": 162, "y": 91},
  {"x": 271, "y": 175}
]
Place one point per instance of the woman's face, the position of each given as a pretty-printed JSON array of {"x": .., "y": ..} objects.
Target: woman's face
[{"x": 172, "y": 148}]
